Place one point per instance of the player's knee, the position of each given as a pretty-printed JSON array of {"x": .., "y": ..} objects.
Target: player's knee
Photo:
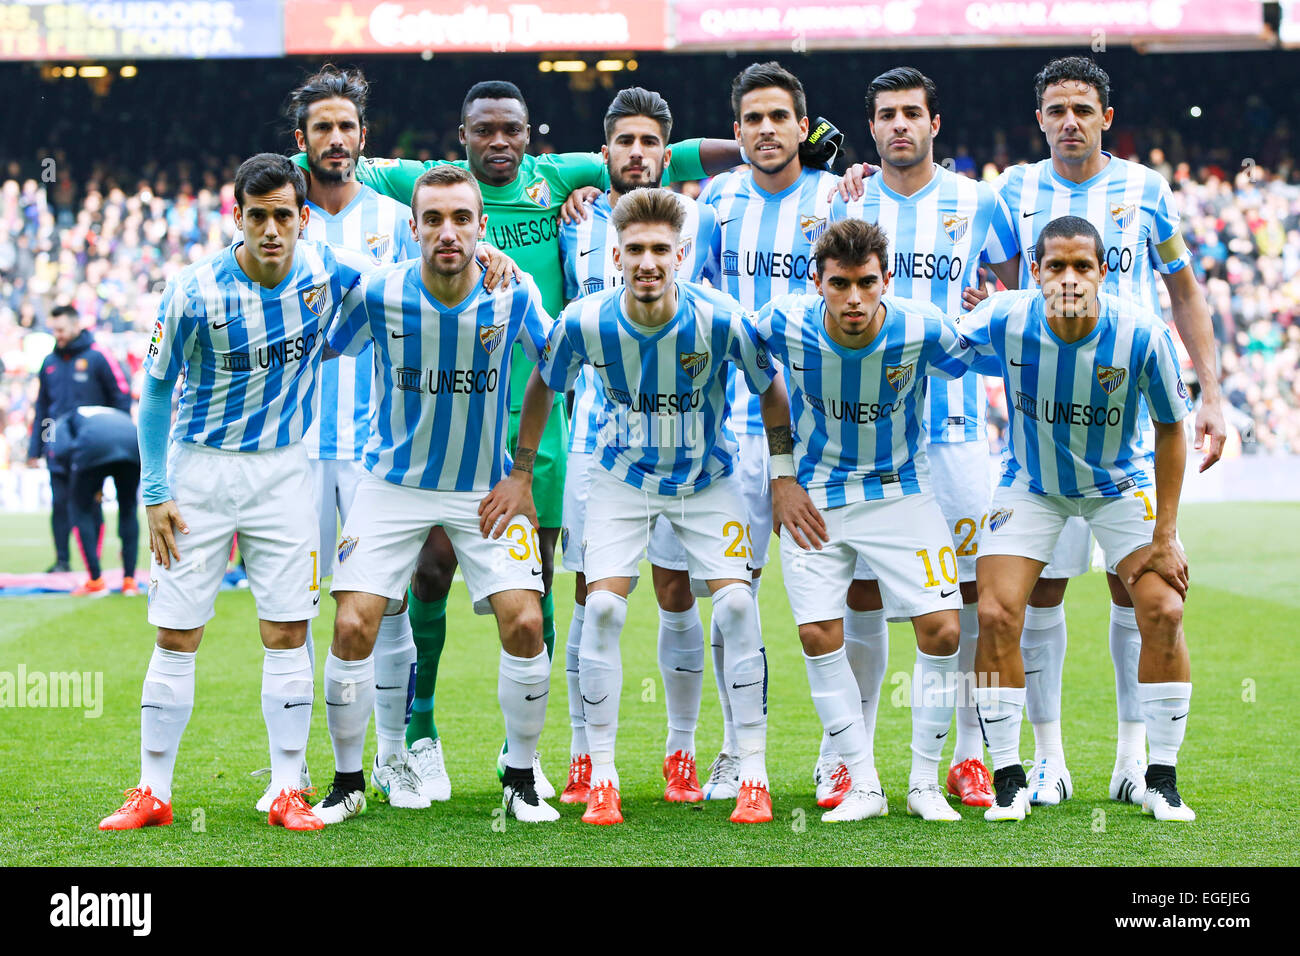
[
  {"x": 606, "y": 611},
  {"x": 1163, "y": 617},
  {"x": 939, "y": 637},
  {"x": 430, "y": 581},
  {"x": 999, "y": 622},
  {"x": 737, "y": 615},
  {"x": 673, "y": 592},
  {"x": 521, "y": 634},
  {"x": 1048, "y": 592},
  {"x": 351, "y": 641},
  {"x": 820, "y": 638}
]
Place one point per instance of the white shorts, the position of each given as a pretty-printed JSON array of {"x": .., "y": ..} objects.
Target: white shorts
[
  {"x": 1028, "y": 525},
  {"x": 961, "y": 480},
  {"x": 710, "y": 524},
  {"x": 389, "y": 523},
  {"x": 1072, "y": 555},
  {"x": 335, "y": 481},
  {"x": 751, "y": 467},
  {"x": 263, "y": 496},
  {"x": 664, "y": 550},
  {"x": 889, "y": 533}
]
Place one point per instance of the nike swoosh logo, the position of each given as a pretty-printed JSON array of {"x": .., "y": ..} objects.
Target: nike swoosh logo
[
  {"x": 332, "y": 703},
  {"x": 833, "y": 733},
  {"x": 798, "y": 368},
  {"x": 536, "y": 572},
  {"x": 587, "y": 252},
  {"x": 296, "y": 703},
  {"x": 748, "y": 567},
  {"x": 1020, "y": 364},
  {"x": 604, "y": 365},
  {"x": 687, "y": 670},
  {"x": 394, "y": 687},
  {"x": 997, "y": 720},
  {"x": 593, "y": 703},
  {"x": 154, "y": 706},
  {"x": 1039, "y": 671},
  {"x": 1180, "y": 716},
  {"x": 1026, "y": 215},
  {"x": 944, "y": 594},
  {"x": 537, "y": 697},
  {"x": 402, "y": 336},
  {"x": 941, "y": 736},
  {"x": 725, "y": 221},
  {"x": 315, "y": 600},
  {"x": 218, "y": 326},
  {"x": 750, "y": 684}
]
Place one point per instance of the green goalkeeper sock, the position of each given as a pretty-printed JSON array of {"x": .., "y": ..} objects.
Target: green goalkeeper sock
[
  {"x": 548, "y": 624},
  {"x": 429, "y": 628}
]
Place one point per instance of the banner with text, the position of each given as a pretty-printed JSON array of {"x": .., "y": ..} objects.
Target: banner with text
[
  {"x": 723, "y": 23},
  {"x": 411, "y": 26},
  {"x": 150, "y": 29}
]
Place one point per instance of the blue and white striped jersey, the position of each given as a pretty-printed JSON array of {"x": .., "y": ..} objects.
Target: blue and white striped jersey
[
  {"x": 250, "y": 354},
  {"x": 857, "y": 412},
  {"x": 1074, "y": 407},
  {"x": 587, "y": 253},
  {"x": 379, "y": 227},
  {"x": 442, "y": 375},
  {"x": 665, "y": 388},
  {"x": 1130, "y": 205},
  {"x": 938, "y": 236},
  {"x": 763, "y": 249}
]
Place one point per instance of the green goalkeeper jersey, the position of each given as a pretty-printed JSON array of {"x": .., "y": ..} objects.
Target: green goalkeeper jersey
[{"x": 523, "y": 216}]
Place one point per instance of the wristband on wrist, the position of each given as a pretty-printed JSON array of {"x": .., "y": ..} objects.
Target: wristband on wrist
[{"x": 781, "y": 466}]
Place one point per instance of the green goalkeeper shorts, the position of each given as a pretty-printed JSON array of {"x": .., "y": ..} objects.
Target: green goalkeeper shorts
[{"x": 548, "y": 472}]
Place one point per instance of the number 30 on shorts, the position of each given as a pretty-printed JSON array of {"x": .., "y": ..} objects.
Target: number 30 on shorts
[
  {"x": 946, "y": 558},
  {"x": 739, "y": 543},
  {"x": 522, "y": 537}
]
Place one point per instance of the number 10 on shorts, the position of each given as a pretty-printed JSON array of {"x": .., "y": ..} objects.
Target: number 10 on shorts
[{"x": 947, "y": 559}]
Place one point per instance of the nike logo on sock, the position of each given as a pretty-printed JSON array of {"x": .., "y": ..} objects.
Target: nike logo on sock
[
  {"x": 944, "y": 734},
  {"x": 833, "y": 733},
  {"x": 687, "y": 670},
  {"x": 996, "y": 720},
  {"x": 1039, "y": 671},
  {"x": 154, "y": 706},
  {"x": 331, "y": 703},
  {"x": 1180, "y": 716},
  {"x": 593, "y": 703},
  {"x": 537, "y": 696},
  {"x": 394, "y": 687},
  {"x": 296, "y": 703},
  {"x": 750, "y": 684}
]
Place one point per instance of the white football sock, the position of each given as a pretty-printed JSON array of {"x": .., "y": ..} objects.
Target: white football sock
[
  {"x": 866, "y": 644},
  {"x": 681, "y": 666},
  {"x": 287, "y": 689},
  {"x": 835, "y": 697},
  {"x": 166, "y": 703},
  {"x": 522, "y": 686},
  {"x": 746, "y": 676},
  {"x": 349, "y": 698},
  {"x": 1001, "y": 710},
  {"x": 600, "y": 679},
  {"x": 1042, "y": 645},
  {"x": 718, "y": 651},
  {"x": 970, "y": 742},
  {"x": 394, "y": 683},
  {"x": 578, "y": 728},
  {"x": 1164, "y": 710},
  {"x": 934, "y": 695},
  {"x": 1125, "y": 646}
]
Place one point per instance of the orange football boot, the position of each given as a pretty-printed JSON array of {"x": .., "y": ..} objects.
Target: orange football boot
[
  {"x": 683, "y": 784},
  {"x": 578, "y": 788},
  {"x": 970, "y": 781},
  {"x": 92, "y": 586},
  {"x": 754, "y": 805},
  {"x": 843, "y": 783},
  {"x": 141, "y": 809},
  {"x": 604, "y": 806},
  {"x": 129, "y": 587},
  {"x": 292, "y": 811}
]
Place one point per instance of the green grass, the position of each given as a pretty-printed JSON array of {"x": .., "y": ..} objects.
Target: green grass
[{"x": 66, "y": 770}]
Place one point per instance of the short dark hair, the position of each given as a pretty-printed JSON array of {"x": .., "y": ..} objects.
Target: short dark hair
[
  {"x": 903, "y": 78},
  {"x": 64, "y": 312},
  {"x": 757, "y": 76},
  {"x": 1080, "y": 68},
  {"x": 851, "y": 242},
  {"x": 649, "y": 206},
  {"x": 328, "y": 83},
  {"x": 1068, "y": 227},
  {"x": 635, "y": 101},
  {"x": 492, "y": 90},
  {"x": 266, "y": 172},
  {"x": 445, "y": 174}
]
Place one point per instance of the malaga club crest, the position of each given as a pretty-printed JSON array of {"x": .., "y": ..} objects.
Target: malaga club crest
[
  {"x": 379, "y": 245},
  {"x": 956, "y": 226},
  {"x": 346, "y": 547},
  {"x": 694, "y": 362},
  {"x": 314, "y": 299},
  {"x": 1000, "y": 517},
  {"x": 812, "y": 227},
  {"x": 491, "y": 336},
  {"x": 899, "y": 376},
  {"x": 539, "y": 192},
  {"x": 1124, "y": 214},
  {"x": 687, "y": 245},
  {"x": 1110, "y": 378}
]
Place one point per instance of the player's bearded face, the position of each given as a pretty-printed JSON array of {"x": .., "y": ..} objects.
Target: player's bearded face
[
  {"x": 635, "y": 154},
  {"x": 649, "y": 255},
  {"x": 903, "y": 128},
  {"x": 852, "y": 293},
  {"x": 334, "y": 140},
  {"x": 768, "y": 129},
  {"x": 495, "y": 133},
  {"x": 1070, "y": 275},
  {"x": 449, "y": 227},
  {"x": 1072, "y": 119}
]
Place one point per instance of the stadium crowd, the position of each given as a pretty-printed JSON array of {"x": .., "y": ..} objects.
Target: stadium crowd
[{"x": 108, "y": 248}]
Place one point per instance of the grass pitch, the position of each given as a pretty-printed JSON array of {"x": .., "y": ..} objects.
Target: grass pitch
[{"x": 67, "y": 769}]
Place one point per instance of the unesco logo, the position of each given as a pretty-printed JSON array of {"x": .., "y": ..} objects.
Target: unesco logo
[
  {"x": 730, "y": 263},
  {"x": 409, "y": 379}
]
